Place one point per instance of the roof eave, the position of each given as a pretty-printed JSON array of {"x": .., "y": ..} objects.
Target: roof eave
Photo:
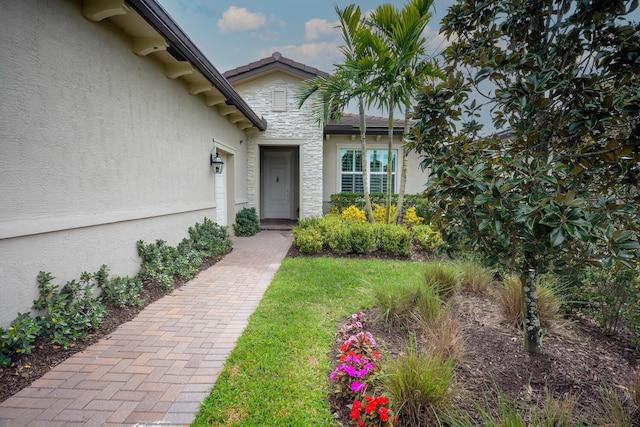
[
  {"x": 349, "y": 130},
  {"x": 155, "y": 15}
]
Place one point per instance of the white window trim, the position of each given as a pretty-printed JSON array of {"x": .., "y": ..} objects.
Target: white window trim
[{"x": 370, "y": 147}]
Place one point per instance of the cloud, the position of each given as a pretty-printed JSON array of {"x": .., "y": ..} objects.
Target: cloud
[
  {"x": 320, "y": 29},
  {"x": 436, "y": 42},
  {"x": 237, "y": 19}
]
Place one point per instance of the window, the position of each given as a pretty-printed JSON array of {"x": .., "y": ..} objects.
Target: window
[
  {"x": 351, "y": 171},
  {"x": 279, "y": 98}
]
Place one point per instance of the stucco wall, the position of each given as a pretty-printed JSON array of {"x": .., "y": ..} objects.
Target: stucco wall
[
  {"x": 286, "y": 128},
  {"x": 98, "y": 149},
  {"x": 416, "y": 178}
]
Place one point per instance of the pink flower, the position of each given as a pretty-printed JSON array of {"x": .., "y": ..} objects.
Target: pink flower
[{"x": 358, "y": 386}]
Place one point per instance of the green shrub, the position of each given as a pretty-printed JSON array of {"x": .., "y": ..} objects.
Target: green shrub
[
  {"x": 161, "y": 262},
  {"x": 395, "y": 239},
  {"x": 247, "y": 222},
  {"x": 428, "y": 304},
  {"x": 327, "y": 222},
  {"x": 363, "y": 238},
  {"x": 443, "y": 277},
  {"x": 156, "y": 257},
  {"x": 165, "y": 282},
  {"x": 426, "y": 237},
  {"x": 186, "y": 266},
  {"x": 70, "y": 312},
  {"x": 420, "y": 385},
  {"x": 396, "y": 301},
  {"x": 121, "y": 291},
  {"x": 18, "y": 338},
  {"x": 337, "y": 236},
  {"x": 473, "y": 277},
  {"x": 307, "y": 239},
  {"x": 124, "y": 291},
  {"x": 611, "y": 296},
  {"x": 309, "y": 222},
  {"x": 210, "y": 239}
]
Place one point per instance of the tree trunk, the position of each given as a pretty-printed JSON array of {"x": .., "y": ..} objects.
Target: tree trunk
[
  {"x": 530, "y": 317},
  {"x": 405, "y": 164},
  {"x": 389, "y": 164},
  {"x": 365, "y": 163}
]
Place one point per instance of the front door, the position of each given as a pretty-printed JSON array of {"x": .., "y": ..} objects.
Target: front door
[{"x": 278, "y": 190}]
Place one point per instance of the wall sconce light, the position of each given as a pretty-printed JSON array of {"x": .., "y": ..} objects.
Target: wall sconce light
[{"x": 216, "y": 163}]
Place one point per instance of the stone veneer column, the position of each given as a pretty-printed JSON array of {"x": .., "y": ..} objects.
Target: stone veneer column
[{"x": 293, "y": 127}]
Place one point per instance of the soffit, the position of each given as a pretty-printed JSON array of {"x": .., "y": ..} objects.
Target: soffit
[{"x": 156, "y": 36}]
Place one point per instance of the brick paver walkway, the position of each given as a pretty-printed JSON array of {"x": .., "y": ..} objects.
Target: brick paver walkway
[{"x": 157, "y": 368}]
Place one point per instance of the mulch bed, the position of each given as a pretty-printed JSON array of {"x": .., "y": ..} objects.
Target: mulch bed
[{"x": 578, "y": 359}]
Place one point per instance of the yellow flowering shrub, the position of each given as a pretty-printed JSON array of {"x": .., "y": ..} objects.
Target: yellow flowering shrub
[
  {"x": 353, "y": 213},
  {"x": 379, "y": 212},
  {"x": 411, "y": 218}
]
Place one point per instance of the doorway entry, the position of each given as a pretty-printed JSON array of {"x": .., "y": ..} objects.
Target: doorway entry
[{"x": 279, "y": 178}]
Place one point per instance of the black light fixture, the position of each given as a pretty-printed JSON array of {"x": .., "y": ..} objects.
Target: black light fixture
[{"x": 216, "y": 163}]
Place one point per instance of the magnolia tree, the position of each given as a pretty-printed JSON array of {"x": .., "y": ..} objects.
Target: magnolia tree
[{"x": 561, "y": 182}]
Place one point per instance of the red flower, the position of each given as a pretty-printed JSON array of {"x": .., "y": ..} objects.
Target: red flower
[
  {"x": 343, "y": 347},
  {"x": 371, "y": 406},
  {"x": 373, "y": 402},
  {"x": 360, "y": 423},
  {"x": 376, "y": 354},
  {"x": 355, "y": 409},
  {"x": 343, "y": 358},
  {"x": 384, "y": 413}
]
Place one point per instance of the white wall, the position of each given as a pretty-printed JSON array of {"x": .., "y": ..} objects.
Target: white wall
[
  {"x": 97, "y": 150},
  {"x": 293, "y": 127},
  {"x": 416, "y": 178}
]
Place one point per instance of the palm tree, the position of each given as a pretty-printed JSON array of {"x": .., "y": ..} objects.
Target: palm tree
[
  {"x": 346, "y": 84},
  {"x": 399, "y": 45}
]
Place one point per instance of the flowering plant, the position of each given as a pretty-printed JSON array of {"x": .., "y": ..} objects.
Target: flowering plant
[
  {"x": 353, "y": 213},
  {"x": 351, "y": 373},
  {"x": 361, "y": 343},
  {"x": 354, "y": 324},
  {"x": 372, "y": 411},
  {"x": 357, "y": 364}
]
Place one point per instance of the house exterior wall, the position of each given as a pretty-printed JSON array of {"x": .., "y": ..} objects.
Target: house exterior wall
[
  {"x": 97, "y": 150},
  {"x": 292, "y": 127},
  {"x": 416, "y": 178}
]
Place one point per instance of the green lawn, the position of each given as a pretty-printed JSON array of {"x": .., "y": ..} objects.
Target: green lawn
[{"x": 277, "y": 374}]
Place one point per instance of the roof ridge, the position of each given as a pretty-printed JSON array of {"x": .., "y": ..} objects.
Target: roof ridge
[{"x": 274, "y": 60}]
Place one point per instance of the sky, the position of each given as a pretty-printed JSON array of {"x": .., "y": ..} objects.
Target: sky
[{"x": 232, "y": 33}]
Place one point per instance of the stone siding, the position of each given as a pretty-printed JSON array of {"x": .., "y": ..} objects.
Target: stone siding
[{"x": 293, "y": 127}]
